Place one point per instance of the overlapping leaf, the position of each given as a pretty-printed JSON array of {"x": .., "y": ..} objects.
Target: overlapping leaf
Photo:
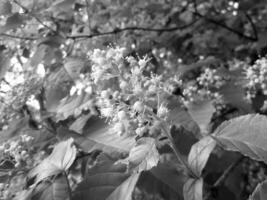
[
  {"x": 199, "y": 154},
  {"x": 246, "y": 134},
  {"x": 201, "y": 113},
  {"x": 106, "y": 181},
  {"x": 62, "y": 157},
  {"x": 193, "y": 189}
]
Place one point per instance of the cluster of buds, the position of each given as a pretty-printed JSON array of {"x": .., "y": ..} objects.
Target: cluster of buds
[
  {"x": 257, "y": 77},
  {"x": 83, "y": 84},
  {"x": 18, "y": 151}
]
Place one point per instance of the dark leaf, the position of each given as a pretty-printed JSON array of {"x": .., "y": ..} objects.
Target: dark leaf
[{"x": 106, "y": 181}]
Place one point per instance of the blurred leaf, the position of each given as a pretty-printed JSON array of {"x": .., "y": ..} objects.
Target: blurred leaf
[
  {"x": 201, "y": 113},
  {"x": 234, "y": 94},
  {"x": 60, "y": 160},
  {"x": 4, "y": 65},
  {"x": 15, "y": 128},
  {"x": 178, "y": 116},
  {"x": 106, "y": 181},
  {"x": 74, "y": 66},
  {"x": 260, "y": 192},
  {"x": 245, "y": 134},
  {"x": 5, "y": 7},
  {"x": 14, "y": 21},
  {"x": 98, "y": 136},
  {"x": 193, "y": 189},
  {"x": 79, "y": 123},
  {"x": 200, "y": 153},
  {"x": 143, "y": 156}
]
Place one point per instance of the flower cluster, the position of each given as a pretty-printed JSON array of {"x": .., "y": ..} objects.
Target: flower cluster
[
  {"x": 127, "y": 97},
  {"x": 205, "y": 87},
  {"x": 257, "y": 77}
]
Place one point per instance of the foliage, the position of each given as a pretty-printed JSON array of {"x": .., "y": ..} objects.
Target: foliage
[{"x": 127, "y": 100}]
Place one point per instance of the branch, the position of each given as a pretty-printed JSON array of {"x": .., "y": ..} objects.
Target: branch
[
  {"x": 26, "y": 10},
  {"x": 132, "y": 28},
  {"x": 240, "y": 34},
  {"x": 19, "y": 37}
]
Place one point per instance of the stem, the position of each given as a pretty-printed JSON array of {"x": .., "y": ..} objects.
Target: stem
[
  {"x": 176, "y": 151},
  {"x": 227, "y": 172}
]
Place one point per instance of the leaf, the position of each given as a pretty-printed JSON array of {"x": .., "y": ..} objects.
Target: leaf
[
  {"x": 73, "y": 66},
  {"x": 245, "y": 134},
  {"x": 199, "y": 154},
  {"x": 201, "y": 113},
  {"x": 193, "y": 189},
  {"x": 106, "y": 181},
  {"x": 5, "y": 7},
  {"x": 79, "y": 123},
  {"x": 260, "y": 192},
  {"x": 143, "y": 156},
  {"x": 14, "y": 21},
  {"x": 57, "y": 189},
  {"x": 60, "y": 160}
]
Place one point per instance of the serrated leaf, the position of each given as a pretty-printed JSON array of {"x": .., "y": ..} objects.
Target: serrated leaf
[
  {"x": 61, "y": 158},
  {"x": 200, "y": 153},
  {"x": 193, "y": 189},
  {"x": 201, "y": 113},
  {"x": 143, "y": 156},
  {"x": 245, "y": 134},
  {"x": 5, "y": 7},
  {"x": 260, "y": 192},
  {"x": 106, "y": 181}
]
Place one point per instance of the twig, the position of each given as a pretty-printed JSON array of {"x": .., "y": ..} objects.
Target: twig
[
  {"x": 227, "y": 172},
  {"x": 133, "y": 28},
  {"x": 240, "y": 34},
  {"x": 252, "y": 25},
  {"x": 26, "y": 10}
]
